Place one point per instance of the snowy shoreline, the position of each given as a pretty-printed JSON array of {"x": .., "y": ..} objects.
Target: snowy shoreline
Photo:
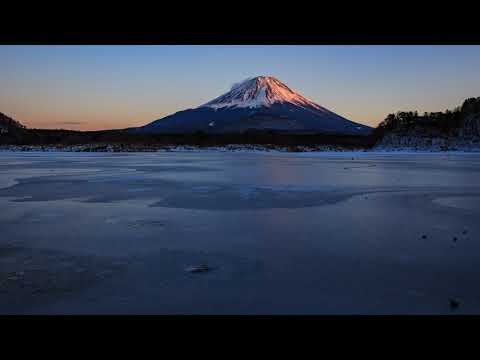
[
  {"x": 176, "y": 148},
  {"x": 233, "y": 149}
]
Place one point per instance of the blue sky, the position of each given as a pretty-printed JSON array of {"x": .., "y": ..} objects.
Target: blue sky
[{"x": 100, "y": 87}]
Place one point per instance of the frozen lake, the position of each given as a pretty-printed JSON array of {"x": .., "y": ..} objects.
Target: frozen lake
[{"x": 282, "y": 233}]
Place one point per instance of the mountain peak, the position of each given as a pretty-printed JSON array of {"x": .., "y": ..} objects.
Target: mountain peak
[
  {"x": 261, "y": 91},
  {"x": 275, "y": 107}
]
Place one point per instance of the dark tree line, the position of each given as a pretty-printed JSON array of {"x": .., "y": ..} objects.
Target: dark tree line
[
  {"x": 125, "y": 138},
  {"x": 446, "y": 122}
]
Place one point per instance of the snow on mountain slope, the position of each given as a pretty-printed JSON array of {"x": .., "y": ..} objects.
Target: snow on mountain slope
[{"x": 261, "y": 91}]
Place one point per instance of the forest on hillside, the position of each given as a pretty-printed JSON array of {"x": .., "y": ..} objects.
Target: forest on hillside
[{"x": 450, "y": 122}]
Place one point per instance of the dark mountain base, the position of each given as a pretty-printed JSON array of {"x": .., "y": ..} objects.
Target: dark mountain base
[{"x": 277, "y": 117}]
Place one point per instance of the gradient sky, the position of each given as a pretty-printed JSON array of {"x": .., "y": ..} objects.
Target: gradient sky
[{"x": 103, "y": 87}]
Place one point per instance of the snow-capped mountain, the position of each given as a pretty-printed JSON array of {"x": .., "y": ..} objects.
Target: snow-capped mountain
[
  {"x": 261, "y": 91},
  {"x": 261, "y": 103}
]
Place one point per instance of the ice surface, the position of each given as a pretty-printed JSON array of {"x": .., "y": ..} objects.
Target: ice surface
[{"x": 287, "y": 233}]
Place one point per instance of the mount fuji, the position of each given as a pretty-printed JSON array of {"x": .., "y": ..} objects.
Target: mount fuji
[{"x": 260, "y": 103}]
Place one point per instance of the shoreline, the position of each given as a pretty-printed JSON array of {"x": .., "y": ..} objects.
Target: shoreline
[
  {"x": 177, "y": 148},
  {"x": 245, "y": 148}
]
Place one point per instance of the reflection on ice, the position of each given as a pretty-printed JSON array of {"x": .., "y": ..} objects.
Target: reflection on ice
[{"x": 461, "y": 202}]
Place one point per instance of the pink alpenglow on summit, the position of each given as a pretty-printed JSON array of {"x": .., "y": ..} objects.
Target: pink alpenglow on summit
[
  {"x": 261, "y": 91},
  {"x": 261, "y": 103}
]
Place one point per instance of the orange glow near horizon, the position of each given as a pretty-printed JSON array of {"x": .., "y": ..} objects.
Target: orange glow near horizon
[{"x": 90, "y": 121}]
